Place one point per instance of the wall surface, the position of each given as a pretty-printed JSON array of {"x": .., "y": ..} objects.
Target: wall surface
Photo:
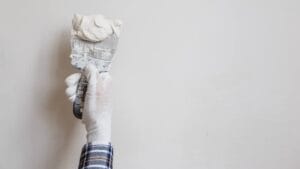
[{"x": 198, "y": 84}]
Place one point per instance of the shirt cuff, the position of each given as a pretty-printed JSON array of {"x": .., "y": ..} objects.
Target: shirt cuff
[{"x": 96, "y": 156}]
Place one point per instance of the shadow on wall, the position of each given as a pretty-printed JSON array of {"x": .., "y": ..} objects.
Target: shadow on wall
[{"x": 59, "y": 110}]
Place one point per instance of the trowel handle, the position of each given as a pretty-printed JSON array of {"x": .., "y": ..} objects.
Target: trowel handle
[{"x": 80, "y": 95}]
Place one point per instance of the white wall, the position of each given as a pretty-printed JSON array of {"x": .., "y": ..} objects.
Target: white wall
[{"x": 209, "y": 84}]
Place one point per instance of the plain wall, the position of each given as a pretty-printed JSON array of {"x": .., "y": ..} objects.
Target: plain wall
[{"x": 203, "y": 84}]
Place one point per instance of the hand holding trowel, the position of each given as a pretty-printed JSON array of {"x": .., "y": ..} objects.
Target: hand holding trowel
[{"x": 94, "y": 41}]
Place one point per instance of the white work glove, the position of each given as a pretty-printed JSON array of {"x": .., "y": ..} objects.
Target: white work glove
[{"x": 97, "y": 105}]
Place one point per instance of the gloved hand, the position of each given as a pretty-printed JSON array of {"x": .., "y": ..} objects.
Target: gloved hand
[{"x": 97, "y": 105}]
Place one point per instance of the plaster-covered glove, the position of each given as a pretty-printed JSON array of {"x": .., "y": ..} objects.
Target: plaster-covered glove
[{"x": 97, "y": 105}]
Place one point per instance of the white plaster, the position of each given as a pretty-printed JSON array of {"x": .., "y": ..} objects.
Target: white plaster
[{"x": 94, "y": 28}]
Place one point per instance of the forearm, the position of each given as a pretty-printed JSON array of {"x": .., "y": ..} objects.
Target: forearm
[
  {"x": 97, "y": 153},
  {"x": 96, "y": 156}
]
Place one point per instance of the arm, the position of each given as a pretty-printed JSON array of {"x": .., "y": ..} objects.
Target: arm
[{"x": 98, "y": 151}]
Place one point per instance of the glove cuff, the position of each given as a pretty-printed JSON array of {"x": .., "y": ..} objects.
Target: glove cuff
[{"x": 101, "y": 135}]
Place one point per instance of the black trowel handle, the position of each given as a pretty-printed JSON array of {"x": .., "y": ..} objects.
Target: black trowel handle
[{"x": 80, "y": 95}]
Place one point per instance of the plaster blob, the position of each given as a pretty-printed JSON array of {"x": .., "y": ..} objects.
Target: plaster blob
[{"x": 94, "y": 28}]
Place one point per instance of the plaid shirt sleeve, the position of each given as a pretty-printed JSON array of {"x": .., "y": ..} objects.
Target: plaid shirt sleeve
[{"x": 96, "y": 156}]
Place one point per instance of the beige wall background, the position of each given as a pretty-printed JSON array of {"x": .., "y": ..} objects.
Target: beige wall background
[{"x": 210, "y": 84}]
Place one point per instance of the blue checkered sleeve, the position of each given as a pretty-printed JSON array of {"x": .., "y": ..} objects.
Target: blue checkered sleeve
[{"x": 96, "y": 156}]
